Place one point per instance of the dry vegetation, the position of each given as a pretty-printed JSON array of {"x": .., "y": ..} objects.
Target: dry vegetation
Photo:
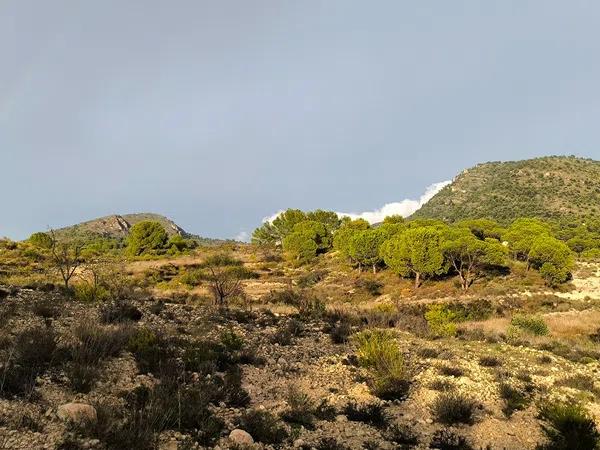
[{"x": 312, "y": 357}]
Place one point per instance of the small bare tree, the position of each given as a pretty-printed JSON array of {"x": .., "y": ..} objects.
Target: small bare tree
[
  {"x": 225, "y": 282},
  {"x": 66, "y": 257}
]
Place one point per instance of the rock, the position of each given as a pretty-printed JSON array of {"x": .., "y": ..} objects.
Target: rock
[
  {"x": 77, "y": 412},
  {"x": 241, "y": 437},
  {"x": 169, "y": 445}
]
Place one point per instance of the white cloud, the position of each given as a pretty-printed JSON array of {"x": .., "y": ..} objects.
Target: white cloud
[
  {"x": 404, "y": 207},
  {"x": 242, "y": 236}
]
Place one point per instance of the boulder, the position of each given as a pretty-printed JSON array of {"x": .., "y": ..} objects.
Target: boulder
[
  {"x": 241, "y": 437},
  {"x": 77, "y": 412}
]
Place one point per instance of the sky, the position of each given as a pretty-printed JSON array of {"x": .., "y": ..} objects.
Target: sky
[{"x": 221, "y": 113}]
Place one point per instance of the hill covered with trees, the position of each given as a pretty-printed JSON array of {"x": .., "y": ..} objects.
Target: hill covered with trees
[{"x": 553, "y": 187}]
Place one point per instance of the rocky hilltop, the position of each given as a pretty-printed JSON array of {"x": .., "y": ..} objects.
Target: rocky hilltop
[{"x": 117, "y": 226}]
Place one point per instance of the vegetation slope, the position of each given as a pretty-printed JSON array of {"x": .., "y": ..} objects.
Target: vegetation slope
[{"x": 553, "y": 187}]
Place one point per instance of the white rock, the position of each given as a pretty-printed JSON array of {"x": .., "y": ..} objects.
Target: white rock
[
  {"x": 77, "y": 412},
  {"x": 240, "y": 436}
]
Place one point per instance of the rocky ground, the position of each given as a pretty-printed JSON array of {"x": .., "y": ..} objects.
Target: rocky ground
[{"x": 299, "y": 382}]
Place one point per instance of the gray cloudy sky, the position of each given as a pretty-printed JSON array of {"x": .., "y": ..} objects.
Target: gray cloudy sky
[{"x": 219, "y": 113}]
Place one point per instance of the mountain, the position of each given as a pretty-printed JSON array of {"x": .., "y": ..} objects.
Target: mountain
[
  {"x": 553, "y": 187},
  {"x": 118, "y": 226}
]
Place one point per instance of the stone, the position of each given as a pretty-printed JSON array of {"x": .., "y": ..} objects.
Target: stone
[
  {"x": 241, "y": 437},
  {"x": 77, "y": 412}
]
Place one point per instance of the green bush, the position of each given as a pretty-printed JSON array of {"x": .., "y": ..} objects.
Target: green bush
[
  {"x": 568, "y": 426},
  {"x": 441, "y": 320},
  {"x": 88, "y": 293},
  {"x": 530, "y": 324},
  {"x": 379, "y": 351},
  {"x": 147, "y": 237}
]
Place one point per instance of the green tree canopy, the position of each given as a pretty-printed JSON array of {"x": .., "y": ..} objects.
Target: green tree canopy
[
  {"x": 394, "y": 219},
  {"x": 341, "y": 238},
  {"x": 300, "y": 247},
  {"x": 521, "y": 234},
  {"x": 329, "y": 219},
  {"x": 275, "y": 232},
  {"x": 483, "y": 228},
  {"x": 364, "y": 247},
  {"x": 470, "y": 256},
  {"x": 41, "y": 240},
  {"x": 146, "y": 237},
  {"x": 317, "y": 231},
  {"x": 416, "y": 252},
  {"x": 553, "y": 258}
]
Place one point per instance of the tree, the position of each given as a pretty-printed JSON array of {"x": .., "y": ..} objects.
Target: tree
[
  {"x": 470, "y": 256},
  {"x": 483, "y": 228},
  {"x": 299, "y": 247},
  {"x": 341, "y": 238},
  {"x": 317, "y": 231},
  {"x": 225, "y": 279},
  {"x": 146, "y": 237},
  {"x": 521, "y": 234},
  {"x": 329, "y": 219},
  {"x": 66, "y": 257},
  {"x": 275, "y": 232},
  {"x": 364, "y": 248},
  {"x": 416, "y": 252},
  {"x": 552, "y": 258},
  {"x": 41, "y": 240},
  {"x": 394, "y": 219}
]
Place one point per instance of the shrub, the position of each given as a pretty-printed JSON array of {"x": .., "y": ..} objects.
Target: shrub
[
  {"x": 340, "y": 332},
  {"x": 530, "y": 324},
  {"x": 311, "y": 308},
  {"x": 329, "y": 443},
  {"x": 445, "y": 439},
  {"x": 451, "y": 371},
  {"x": 568, "y": 426},
  {"x": 34, "y": 350},
  {"x": 232, "y": 341},
  {"x": 119, "y": 311},
  {"x": 285, "y": 333},
  {"x": 514, "y": 399},
  {"x": 88, "y": 293},
  {"x": 311, "y": 278},
  {"x": 46, "y": 308},
  {"x": 378, "y": 348},
  {"x": 428, "y": 352},
  {"x": 441, "y": 320},
  {"x": 490, "y": 361},
  {"x": 373, "y": 287},
  {"x": 580, "y": 382},
  {"x": 301, "y": 408},
  {"x": 369, "y": 413},
  {"x": 151, "y": 351},
  {"x": 379, "y": 352},
  {"x": 94, "y": 345},
  {"x": 263, "y": 426},
  {"x": 402, "y": 435},
  {"x": 441, "y": 384},
  {"x": 453, "y": 407}
]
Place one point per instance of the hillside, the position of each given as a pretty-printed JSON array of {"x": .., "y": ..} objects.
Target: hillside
[
  {"x": 117, "y": 226},
  {"x": 552, "y": 187}
]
